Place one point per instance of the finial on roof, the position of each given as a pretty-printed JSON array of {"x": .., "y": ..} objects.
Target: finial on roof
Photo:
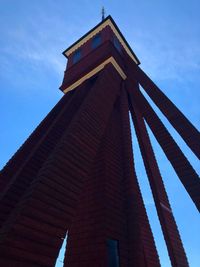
[{"x": 103, "y": 13}]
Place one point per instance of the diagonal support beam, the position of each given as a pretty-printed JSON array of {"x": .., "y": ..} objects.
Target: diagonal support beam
[
  {"x": 27, "y": 172},
  {"x": 32, "y": 233},
  {"x": 168, "y": 224},
  {"x": 181, "y": 165},
  {"x": 183, "y": 126},
  {"x": 28, "y": 149},
  {"x": 142, "y": 246}
]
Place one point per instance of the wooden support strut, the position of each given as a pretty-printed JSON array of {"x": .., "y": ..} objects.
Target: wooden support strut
[
  {"x": 142, "y": 246},
  {"x": 180, "y": 163},
  {"x": 85, "y": 131},
  {"x": 27, "y": 150},
  {"x": 168, "y": 224},
  {"x": 183, "y": 126},
  {"x": 39, "y": 153}
]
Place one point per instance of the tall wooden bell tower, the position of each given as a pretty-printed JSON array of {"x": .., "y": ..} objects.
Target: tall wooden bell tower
[{"x": 75, "y": 173}]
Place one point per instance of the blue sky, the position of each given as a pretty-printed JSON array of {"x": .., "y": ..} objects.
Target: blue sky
[{"x": 165, "y": 36}]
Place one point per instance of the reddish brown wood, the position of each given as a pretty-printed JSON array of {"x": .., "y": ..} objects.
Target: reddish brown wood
[
  {"x": 87, "y": 127},
  {"x": 183, "y": 126},
  {"x": 22, "y": 178},
  {"x": 110, "y": 205},
  {"x": 23, "y": 153},
  {"x": 142, "y": 246},
  {"x": 167, "y": 221},
  {"x": 76, "y": 171},
  {"x": 90, "y": 62},
  {"x": 180, "y": 163}
]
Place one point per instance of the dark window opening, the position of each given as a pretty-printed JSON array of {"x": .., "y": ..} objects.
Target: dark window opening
[
  {"x": 117, "y": 44},
  {"x": 76, "y": 56},
  {"x": 96, "y": 41},
  {"x": 113, "y": 253}
]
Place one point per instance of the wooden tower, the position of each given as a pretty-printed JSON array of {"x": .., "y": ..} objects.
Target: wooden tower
[{"x": 75, "y": 173}]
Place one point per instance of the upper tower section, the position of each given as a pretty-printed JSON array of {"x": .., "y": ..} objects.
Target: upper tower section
[{"x": 102, "y": 45}]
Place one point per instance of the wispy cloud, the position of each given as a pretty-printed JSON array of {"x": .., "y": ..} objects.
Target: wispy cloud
[
  {"x": 35, "y": 48},
  {"x": 42, "y": 41},
  {"x": 38, "y": 43},
  {"x": 167, "y": 60}
]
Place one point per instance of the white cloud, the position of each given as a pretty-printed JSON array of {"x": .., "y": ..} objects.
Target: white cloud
[{"x": 167, "y": 60}]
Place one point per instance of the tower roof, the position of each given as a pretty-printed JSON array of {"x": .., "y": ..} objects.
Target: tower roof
[{"x": 108, "y": 21}]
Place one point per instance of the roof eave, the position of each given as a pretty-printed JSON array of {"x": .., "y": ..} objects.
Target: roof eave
[{"x": 93, "y": 29}]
